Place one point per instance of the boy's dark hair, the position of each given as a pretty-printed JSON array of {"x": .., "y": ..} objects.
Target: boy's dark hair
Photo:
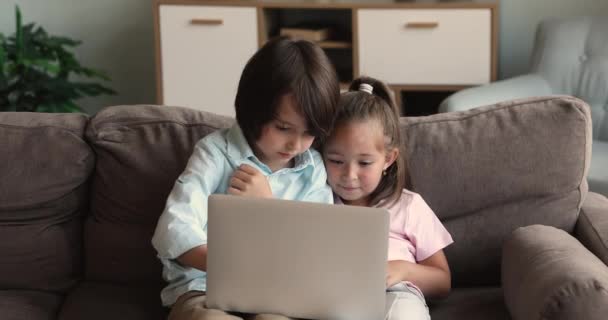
[
  {"x": 287, "y": 66},
  {"x": 357, "y": 105}
]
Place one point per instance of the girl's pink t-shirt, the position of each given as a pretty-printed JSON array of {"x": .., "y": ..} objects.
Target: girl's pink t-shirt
[{"x": 415, "y": 232}]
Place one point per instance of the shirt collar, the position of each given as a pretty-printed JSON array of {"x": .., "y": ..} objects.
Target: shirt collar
[{"x": 238, "y": 148}]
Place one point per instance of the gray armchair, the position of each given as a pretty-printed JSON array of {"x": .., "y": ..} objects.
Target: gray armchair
[{"x": 570, "y": 57}]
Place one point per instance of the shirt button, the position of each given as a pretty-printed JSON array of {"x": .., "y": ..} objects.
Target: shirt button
[{"x": 582, "y": 58}]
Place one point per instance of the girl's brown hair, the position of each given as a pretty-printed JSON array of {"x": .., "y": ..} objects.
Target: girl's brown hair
[
  {"x": 287, "y": 66},
  {"x": 358, "y": 105}
]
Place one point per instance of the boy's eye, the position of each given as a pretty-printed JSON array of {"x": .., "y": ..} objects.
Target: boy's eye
[
  {"x": 282, "y": 128},
  {"x": 334, "y": 161}
]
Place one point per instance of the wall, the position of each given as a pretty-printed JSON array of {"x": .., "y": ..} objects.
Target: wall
[{"x": 118, "y": 36}]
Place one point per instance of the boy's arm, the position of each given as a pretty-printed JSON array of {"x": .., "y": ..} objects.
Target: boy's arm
[
  {"x": 195, "y": 258},
  {"x": 249, "y": 181},
  {"x": 431, "y": 275},
  {"x": 180, "y": 233}
]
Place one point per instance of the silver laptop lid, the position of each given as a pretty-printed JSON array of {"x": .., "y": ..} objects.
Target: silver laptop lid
[{"x": 299, "y": 259}]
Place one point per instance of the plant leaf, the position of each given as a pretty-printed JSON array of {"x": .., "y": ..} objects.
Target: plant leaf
[
  {"x": 2, "y": 53},
  {"x": 36, "y": 70},
  {"x": 47, "y": 66},
  {"x": 18, "y": 33}
]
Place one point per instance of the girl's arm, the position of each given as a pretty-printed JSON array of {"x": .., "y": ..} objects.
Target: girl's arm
[{"x": 431, "y": 275}]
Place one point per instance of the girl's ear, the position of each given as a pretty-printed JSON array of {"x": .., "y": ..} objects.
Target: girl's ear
[{"x": 391, "y": 156}]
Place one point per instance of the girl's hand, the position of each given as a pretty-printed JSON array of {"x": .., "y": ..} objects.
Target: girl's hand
[
  {"x": 248, "y": 181},
  {"x": 398, "y": 271}
]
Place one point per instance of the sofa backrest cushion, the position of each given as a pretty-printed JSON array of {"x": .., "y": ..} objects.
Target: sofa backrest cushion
[
  {"x": 141, "y": 150},
  {"x": 487, "y": 171},
  {"x": 44, "y": 166}
]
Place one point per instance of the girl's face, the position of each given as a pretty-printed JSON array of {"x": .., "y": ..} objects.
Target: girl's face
[
  {"x": 284, "y": 137},
  {"x": 355, "y": 158}
]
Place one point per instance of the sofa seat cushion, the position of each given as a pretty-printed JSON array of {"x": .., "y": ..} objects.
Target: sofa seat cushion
[
  {"x": 598, "y": 171},
  {"x": 95, "y": 300},
  {"x": 472, "y": 304},
  {"x": 30, "y": 305}
]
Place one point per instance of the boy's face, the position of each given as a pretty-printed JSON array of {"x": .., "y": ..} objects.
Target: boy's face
[{"x": 284, "y": 137}]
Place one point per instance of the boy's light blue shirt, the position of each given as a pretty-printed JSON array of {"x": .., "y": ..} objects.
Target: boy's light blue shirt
[{"x": 183, "y": 224}]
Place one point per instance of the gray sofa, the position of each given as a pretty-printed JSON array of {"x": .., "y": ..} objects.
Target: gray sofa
[
  {"x": 79, "y": 200},
  {"x": 570, "y": 57}
]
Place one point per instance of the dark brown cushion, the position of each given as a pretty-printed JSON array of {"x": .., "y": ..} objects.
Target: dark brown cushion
[
  {"x": 103, "y": 301},
  {"x": 482, "y": 303},
  {"x": 548, "y": 274},
  {"x": 141, "y": 150},
  {"x": 487, "y": 171},
  {"x": 44, "y": 167},
  {"x": 30, "y": 305},
  {"x": 592, "y": 225}
]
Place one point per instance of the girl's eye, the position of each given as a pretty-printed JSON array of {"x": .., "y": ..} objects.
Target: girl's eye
[
  {"x": 282, "y": 128},
  {"x": 365, "y": 164},
  {"x": 335, "y": 161}
]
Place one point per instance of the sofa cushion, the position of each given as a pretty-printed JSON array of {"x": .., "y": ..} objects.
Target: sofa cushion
[
  {"x": 487, "y": 171},
  {"x": 104, "y": 301},
  {"x": 592, "y": 225},
  {"x": 30, "y": 305},
  {"x": 44, "y": 164},
  {"x": 471, "y": 304},
  {"x": 548, "y": 274},
  {"x": 141, "y": 150}
]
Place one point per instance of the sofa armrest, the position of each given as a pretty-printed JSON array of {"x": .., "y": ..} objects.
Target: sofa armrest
[
  {"x": 548, "y": 274},
  {"x": 592, "y": 225},
  {"x": 530, "y": 85}
]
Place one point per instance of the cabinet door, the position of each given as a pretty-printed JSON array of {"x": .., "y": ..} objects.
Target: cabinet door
[
  {"x": 203, "y": 52},
  {"x": 426, "y": 46}
]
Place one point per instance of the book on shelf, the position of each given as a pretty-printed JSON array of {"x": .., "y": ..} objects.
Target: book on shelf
[{"x": 310, "y": 34}]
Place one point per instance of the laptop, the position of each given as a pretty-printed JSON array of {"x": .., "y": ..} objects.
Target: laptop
[{"x": 299, "y": 259}]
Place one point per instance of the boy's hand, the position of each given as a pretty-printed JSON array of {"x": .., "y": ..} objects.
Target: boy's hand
[
  {"x": 249, "y": 181},
  {"x": 397, "y": 272}
]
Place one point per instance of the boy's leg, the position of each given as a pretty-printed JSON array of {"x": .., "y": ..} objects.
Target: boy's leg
[{"x": 191, "y": 306}]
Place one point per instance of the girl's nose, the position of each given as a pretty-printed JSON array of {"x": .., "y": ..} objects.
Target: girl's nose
[{"x": 350, "y": 172}]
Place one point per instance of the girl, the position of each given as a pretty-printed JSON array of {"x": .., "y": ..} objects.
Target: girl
[
  {"x": 286, "y": 98},
  {"x": 364, "y": 168}
]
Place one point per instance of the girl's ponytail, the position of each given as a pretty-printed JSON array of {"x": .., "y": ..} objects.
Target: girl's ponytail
[{"x": 380, "y": 89}]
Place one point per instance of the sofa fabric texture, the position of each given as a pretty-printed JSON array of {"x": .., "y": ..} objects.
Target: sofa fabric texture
[
  {"x": 80, "y": 197},
  {"x": 592, "y": 226},
  {"x": 570, "y": 57},
  {"x": 488, "y": 171},
  {"x": 141, "y": 150},
  {"x": 548, "y": 274},
  {"x": 43, "y": 198}
]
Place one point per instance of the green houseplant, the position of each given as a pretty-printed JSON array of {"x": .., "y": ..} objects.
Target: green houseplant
[{"x": 35, "y": 72}]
